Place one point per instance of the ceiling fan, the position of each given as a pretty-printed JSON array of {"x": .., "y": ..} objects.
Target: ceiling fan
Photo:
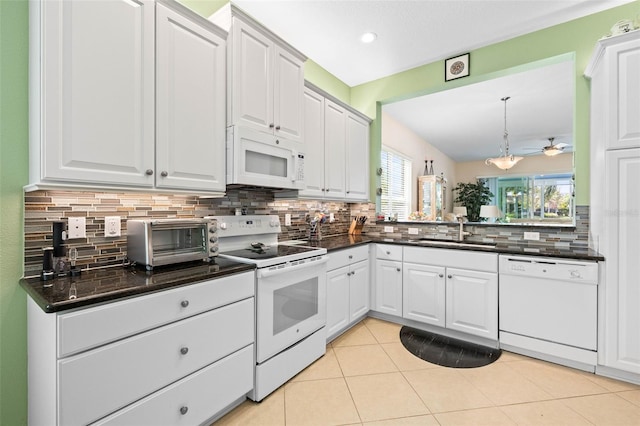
[{"x": 554, "y": 149}]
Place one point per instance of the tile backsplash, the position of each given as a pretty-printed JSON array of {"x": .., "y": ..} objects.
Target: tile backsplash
[{"x": 42, "y": 208}]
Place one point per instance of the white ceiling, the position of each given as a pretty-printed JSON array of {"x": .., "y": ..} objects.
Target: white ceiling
[
  {"x": 467, "y": 123},
  {"x": 410, "y": 32}
]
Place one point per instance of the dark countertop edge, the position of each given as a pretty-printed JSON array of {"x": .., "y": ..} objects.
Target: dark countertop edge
[
  {"x": 339, "y": 242},
  {"x": 28, "y": 285}
]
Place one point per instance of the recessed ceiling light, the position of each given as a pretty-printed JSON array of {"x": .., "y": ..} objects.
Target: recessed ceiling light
[{"x": 368, "y": 37}]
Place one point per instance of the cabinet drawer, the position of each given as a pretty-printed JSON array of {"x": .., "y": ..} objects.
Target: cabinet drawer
[
  {"x": 200, "y": 396},
  {"x": 388, "y": 252},
  {"x": 341, "y": 258},
  {"x": 98, "y": 382},
  {"x": 453, "y": 258},
  {"x": 88, "y": 328}
]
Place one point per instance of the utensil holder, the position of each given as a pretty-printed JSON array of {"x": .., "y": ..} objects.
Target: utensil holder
[
  {"x": 315, "y": 232},
  {"x": 355, "y": 228}
]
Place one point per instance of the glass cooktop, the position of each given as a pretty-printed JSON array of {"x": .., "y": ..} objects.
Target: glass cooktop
[{"x": 269, "y": 252}]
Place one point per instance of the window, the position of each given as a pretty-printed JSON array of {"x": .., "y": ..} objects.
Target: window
[
  {"x": 396, "y": 184},
  {"x": 539, "y": 198}
]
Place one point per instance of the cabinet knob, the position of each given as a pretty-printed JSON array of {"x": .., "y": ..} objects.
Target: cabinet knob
[
  {"x": 449, "y": 276},
  {"x": 149, "y": 172},
  {"x": 184, "y": 350},
  {"x": 327, "y": 189},
  {"x": 350, "y": 256},
  {"x": 388, "y": 252},
  {"x": 277, "y": 127},
  {"x": 441, "y": 275},
  {"x": 398, "y": 269},
  {"x": 277, "y": 142},
  {"x": 183, "y": 410},
  {"x": 271, "y": 125},
  {"x": 184, "y": 303},
  {"x": 164, "y": 174}
]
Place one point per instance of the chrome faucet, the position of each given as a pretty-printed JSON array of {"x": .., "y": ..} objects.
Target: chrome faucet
[{"x": 462, "y": 233}]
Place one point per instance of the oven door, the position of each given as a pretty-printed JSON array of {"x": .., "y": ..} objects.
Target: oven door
[
  {"x": 260, "y": 159},
  {"x": 291, "y": 304}
]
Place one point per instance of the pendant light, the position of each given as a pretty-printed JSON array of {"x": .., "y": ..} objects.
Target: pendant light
[{"x": 506, "y": 160}]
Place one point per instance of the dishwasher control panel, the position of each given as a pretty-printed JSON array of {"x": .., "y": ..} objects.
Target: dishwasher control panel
[{"x": 550, "y": 268}]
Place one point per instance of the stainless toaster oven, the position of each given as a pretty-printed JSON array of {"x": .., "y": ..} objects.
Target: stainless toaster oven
[{"x": 158, "y": 242}]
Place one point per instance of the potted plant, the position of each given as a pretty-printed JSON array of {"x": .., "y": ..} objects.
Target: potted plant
[{"x": 472, "y": 196}]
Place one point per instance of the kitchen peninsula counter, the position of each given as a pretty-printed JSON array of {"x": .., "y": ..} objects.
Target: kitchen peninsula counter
[
  {"x": 338, "y": 242},
  {"x": 111, "y": 284}
]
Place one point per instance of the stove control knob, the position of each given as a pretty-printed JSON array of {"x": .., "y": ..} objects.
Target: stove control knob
[{"x": 222, "y": 225}]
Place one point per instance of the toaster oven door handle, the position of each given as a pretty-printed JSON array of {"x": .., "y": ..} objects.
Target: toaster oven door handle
[{"x": 160, "y": 224}]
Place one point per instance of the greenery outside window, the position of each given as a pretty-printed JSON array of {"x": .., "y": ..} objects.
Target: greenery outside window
[{"x": 396, "y": 184}]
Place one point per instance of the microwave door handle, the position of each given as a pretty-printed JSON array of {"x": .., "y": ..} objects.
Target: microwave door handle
[
  {"x": 294, "y": 172},
  {"x": 266, "y": 272}
]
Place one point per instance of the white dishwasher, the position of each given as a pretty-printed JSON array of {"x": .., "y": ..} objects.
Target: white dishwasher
[{"x": 548, "y": 307}]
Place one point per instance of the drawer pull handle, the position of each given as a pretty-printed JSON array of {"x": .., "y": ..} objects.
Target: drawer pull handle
[
  {"x": 184, "y": 350},
  {"x": 183, "y": 410},
  {"x": 184, "y": 303}
]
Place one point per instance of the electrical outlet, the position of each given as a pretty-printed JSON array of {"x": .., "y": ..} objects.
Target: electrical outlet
[
  {"x": 534, "y": 236},
  {"x": 287, "y": 219},
  {"x": 77, "y": 228},
  {"x": 414, "y": 231},
  {"x": 388, "y": 229},
  {"x": 112, "y": 226}
]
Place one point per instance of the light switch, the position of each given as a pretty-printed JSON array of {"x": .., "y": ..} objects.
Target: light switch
[{"x": 287, "y": 219}]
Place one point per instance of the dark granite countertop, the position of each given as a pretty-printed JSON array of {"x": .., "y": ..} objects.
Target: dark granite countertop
[
  {"x": 516, "y": 248},
  {"x": 111, "y": 284}
]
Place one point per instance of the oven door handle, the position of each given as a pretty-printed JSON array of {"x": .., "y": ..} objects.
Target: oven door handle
[{"x": 267, "y": 272}]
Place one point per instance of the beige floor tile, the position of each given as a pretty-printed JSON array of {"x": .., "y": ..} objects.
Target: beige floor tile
[
  {"x": 503, "y": 385},
  {"x": 383, "y": 331},
  {"x": 326, "y": 367},
  {"x": 384, "y": 396},
  {"x": 550, "y": 413},
  {"x": 405, "y": 360},
  {"x": 367, "y": 359},
  {"x": 608, "y": 409},
  {"x": 268, "y": 412},
  {"x": 558, "y": 381},
  {"x": 357, "y": 335},
  {"x": 631, "y": 396},
  {"x": 611, "y": 385},
  {"x": 319, "y": 402},
  {"x": 445, "y": 389},
  {"x": 507, "y": 356},
  {"x": 484, "y": 416},
  {"x": 427, "y": 420}
]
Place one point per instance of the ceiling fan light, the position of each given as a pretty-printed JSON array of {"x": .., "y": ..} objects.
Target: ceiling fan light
[
  {"x": 368, "y": 37},
  {"x": 552, "y": 151}
]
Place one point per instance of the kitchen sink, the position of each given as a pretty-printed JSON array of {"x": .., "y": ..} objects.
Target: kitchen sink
[{"x": 428, "y": 241}]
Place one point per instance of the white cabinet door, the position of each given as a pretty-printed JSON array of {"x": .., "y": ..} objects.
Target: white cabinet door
[
  {"x": 357, "y": 162},
  {"x": 334, "y": 154},
  {"x": 190, "y": 104},
  {"x": 314, "y": 141},
  {"x": 388, "y": 297},
  {"x": 288, "y": 95},
  {"x": 621, "y": 248},
  {"x": 623, "y": 90},
  {"x": 423, "y": 293},
  {"x": 358, "y": 290},
  {"x": 252, "y": 67},
  {"x": 97, "y": 92},
  {"x": 472, "y": 302},
  {"x": 337, "y": 300}
]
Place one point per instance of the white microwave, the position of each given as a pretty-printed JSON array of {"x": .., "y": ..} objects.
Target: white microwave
[{"x": 259, "y": 159}]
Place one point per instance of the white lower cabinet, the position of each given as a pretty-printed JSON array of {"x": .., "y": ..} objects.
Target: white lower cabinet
[
  {"x": 438, "y": 291},
  {"x": 347, "y": 288},
  {"x": 168, "y": 371},
  {"x": 387, "y": 297}
]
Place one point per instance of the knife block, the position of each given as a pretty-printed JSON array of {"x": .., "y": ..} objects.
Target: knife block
[{"x": 355, "y": 228}]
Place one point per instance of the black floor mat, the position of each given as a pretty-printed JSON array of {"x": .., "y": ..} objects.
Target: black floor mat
[{"x": 446, "y": 351}]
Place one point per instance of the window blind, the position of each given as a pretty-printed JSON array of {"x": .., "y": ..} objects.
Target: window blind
[{"x": 396, "y": 184}]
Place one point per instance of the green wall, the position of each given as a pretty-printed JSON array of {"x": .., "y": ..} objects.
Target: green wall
[
  {"x": 14, "y": 136},
  {"x": 577, "y": 36}
]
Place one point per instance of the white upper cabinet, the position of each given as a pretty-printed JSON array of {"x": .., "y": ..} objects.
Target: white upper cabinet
[
  {"x": 126, "y": 95},
  {"x": 190, "y": 104},
  {"x": 92, "y": 92},
  {"x": 337, "y": 148},
  {"x": 265, "y": 77}
]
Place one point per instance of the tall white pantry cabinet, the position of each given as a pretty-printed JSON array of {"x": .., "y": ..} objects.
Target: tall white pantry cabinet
[
  {"x": 614, "y": 71},
  {"x": 126, "y": 95}
]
